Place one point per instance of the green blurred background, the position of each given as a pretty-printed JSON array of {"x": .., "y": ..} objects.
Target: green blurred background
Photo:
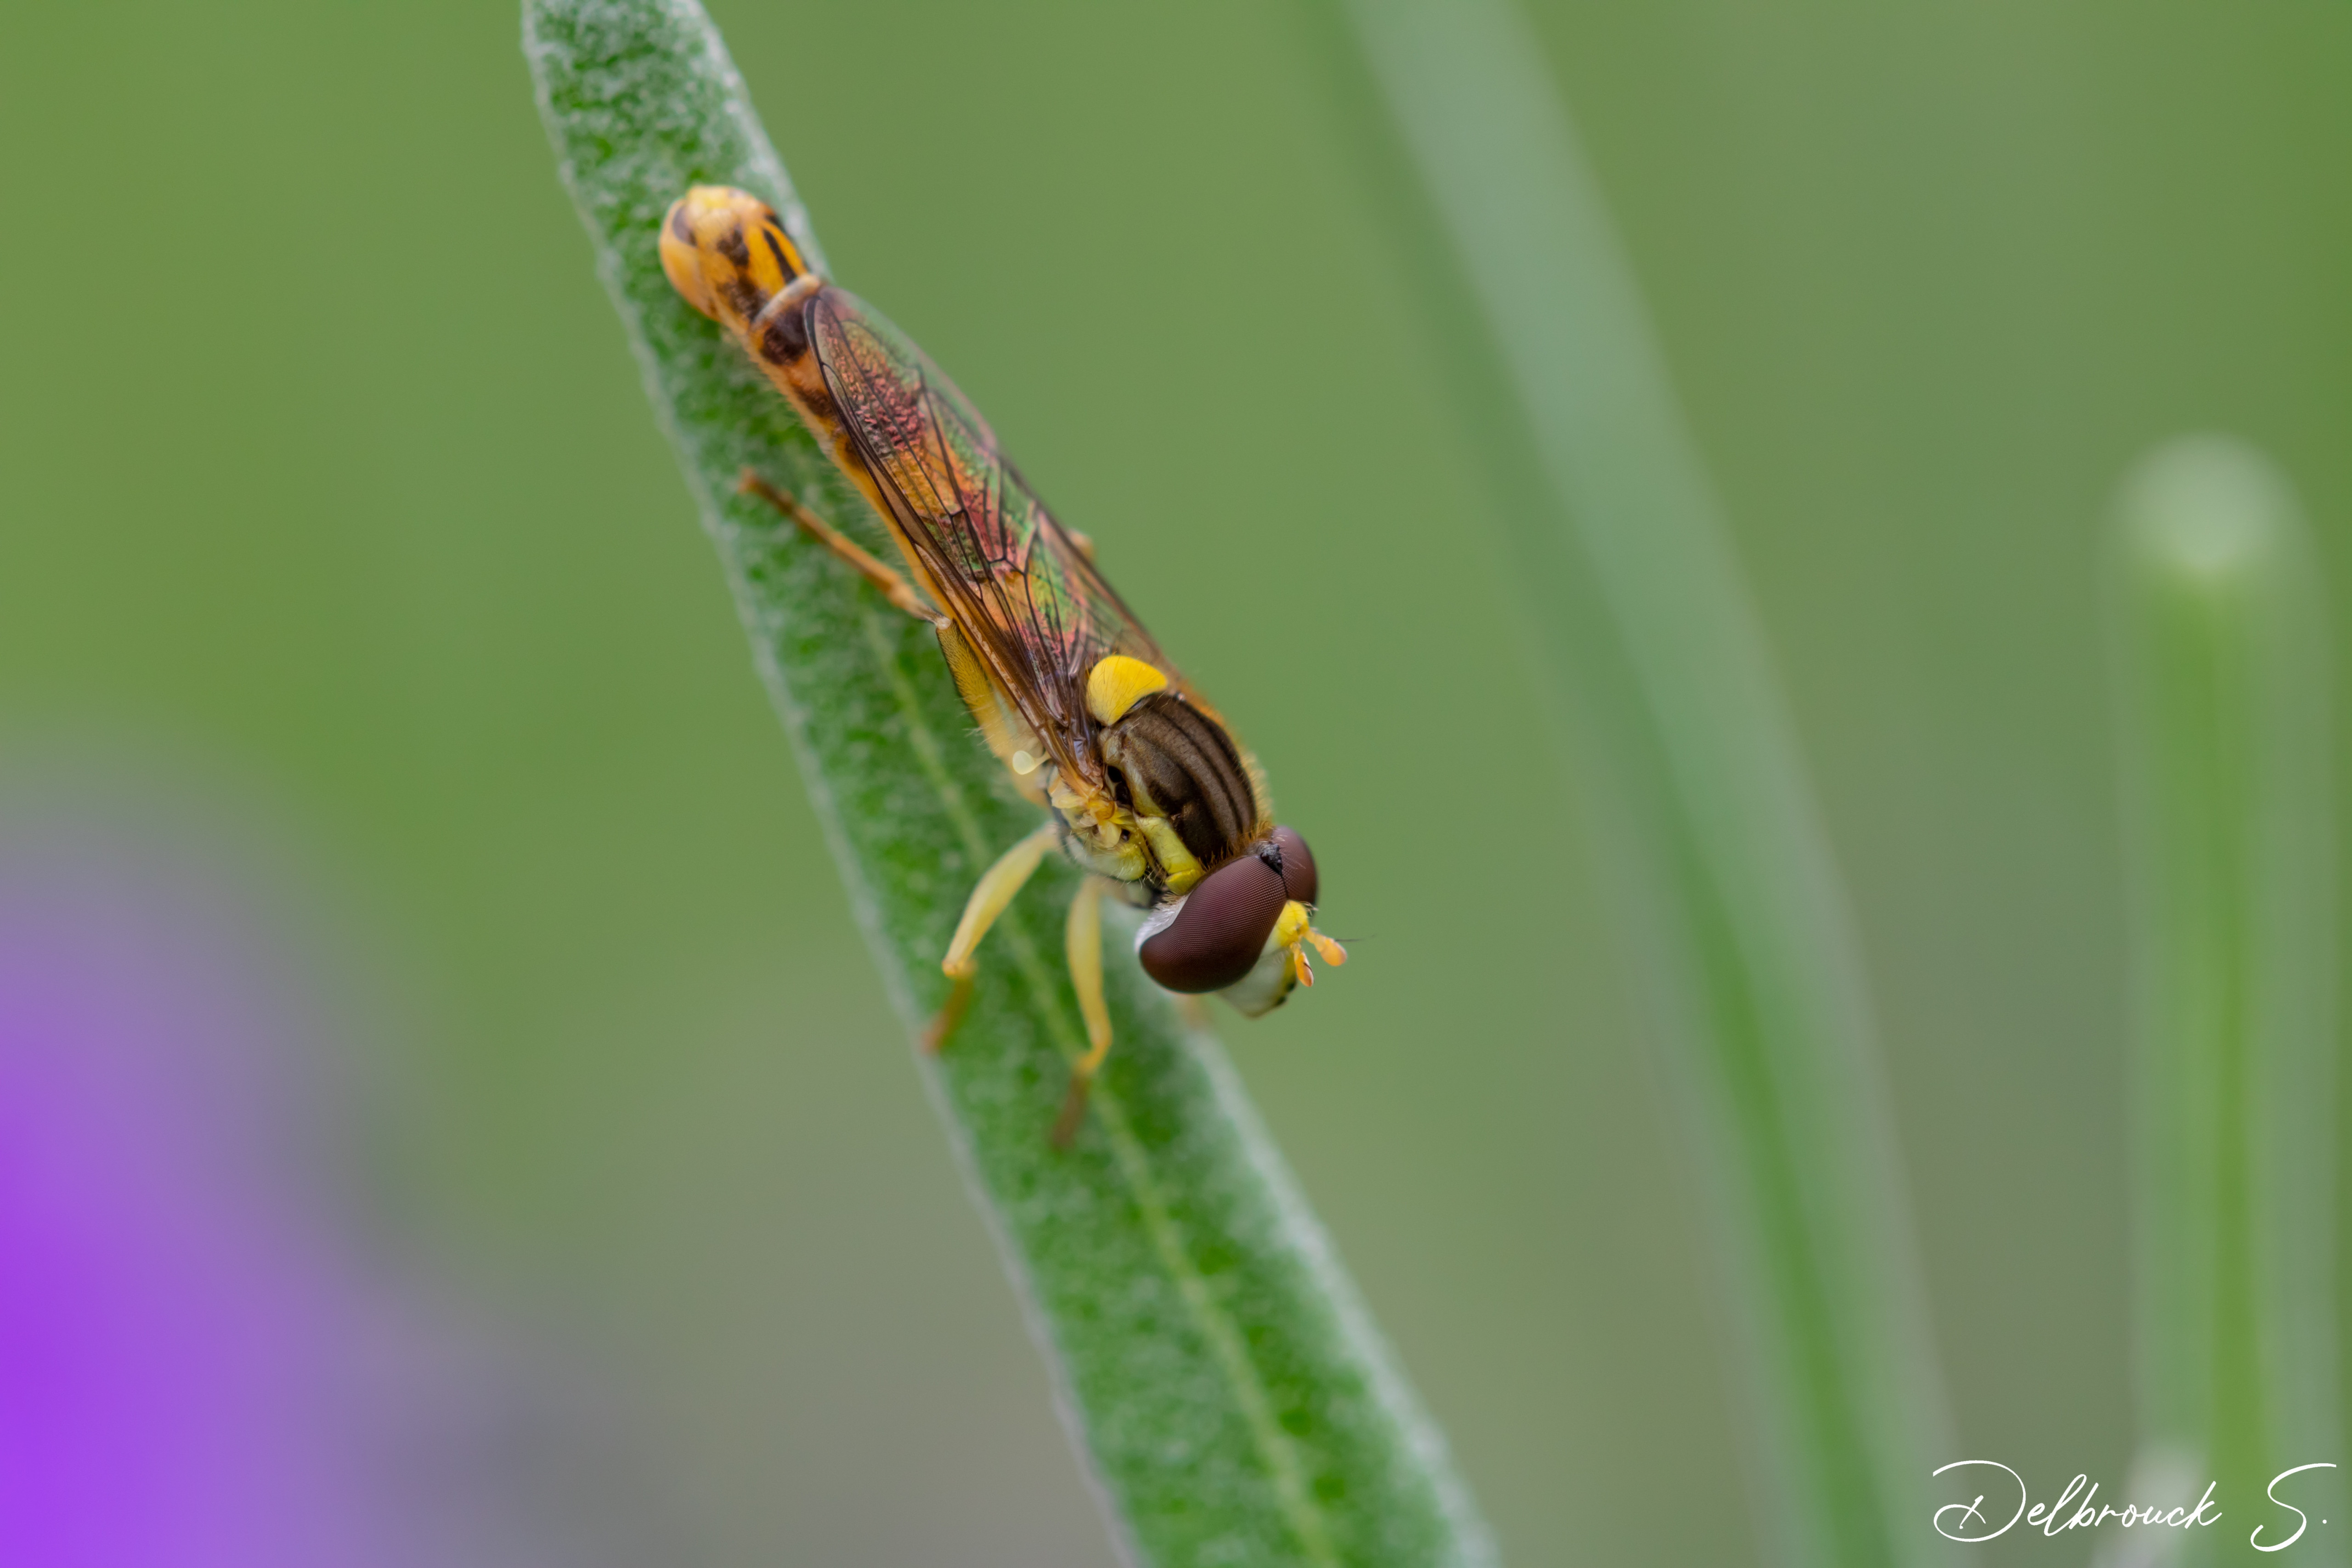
[{"x": 329, "y": 503}]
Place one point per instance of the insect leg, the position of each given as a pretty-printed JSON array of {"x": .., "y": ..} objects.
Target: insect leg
[
  {"x": 998, "y": 884},
  {"x": 895, "y": 588},
  {"x": 1084, "y": 944}
]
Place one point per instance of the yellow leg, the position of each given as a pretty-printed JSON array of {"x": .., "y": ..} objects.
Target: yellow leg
[
  {"x": 895, "y": 588},
  {"x": 997, "y": 886},
  {"x": 1083, "y": 942}
]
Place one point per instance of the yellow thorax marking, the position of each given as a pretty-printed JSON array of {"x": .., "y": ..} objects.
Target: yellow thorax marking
[
  {"x": 1177, "y": 863},
  {"x": 1118, "y": 683}
]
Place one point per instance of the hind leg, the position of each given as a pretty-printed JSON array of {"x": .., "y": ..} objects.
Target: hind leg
[{"x": 895, "y": 588}]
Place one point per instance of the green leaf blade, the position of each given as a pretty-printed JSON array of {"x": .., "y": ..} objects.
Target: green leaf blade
[
  {"x": 1234, "y": 1400},
  {"x": 1713, "y": 844},
  {"x": 2220, "y": 681}
]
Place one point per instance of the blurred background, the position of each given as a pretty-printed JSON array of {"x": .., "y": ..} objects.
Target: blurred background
[{"x": 357, "y": 641}]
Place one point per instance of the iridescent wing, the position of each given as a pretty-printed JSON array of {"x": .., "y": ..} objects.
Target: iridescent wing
[{"x": 1009, "y": 575}]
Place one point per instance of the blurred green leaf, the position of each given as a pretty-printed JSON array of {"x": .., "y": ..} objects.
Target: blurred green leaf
[
  {"x": 1235, "y": 1402},
  {"x": 2221, "y": 680},
  {"x": 1732, "y": 904}
]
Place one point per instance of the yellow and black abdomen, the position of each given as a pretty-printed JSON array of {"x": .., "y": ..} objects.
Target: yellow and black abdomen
[{"x": 727, "y": 253}]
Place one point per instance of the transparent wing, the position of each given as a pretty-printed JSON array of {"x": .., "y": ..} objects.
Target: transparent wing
[{"x": 1010, "y": 576}]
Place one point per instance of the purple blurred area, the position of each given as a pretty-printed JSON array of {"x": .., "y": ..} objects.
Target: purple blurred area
[{"x": 202, "y": 1360}]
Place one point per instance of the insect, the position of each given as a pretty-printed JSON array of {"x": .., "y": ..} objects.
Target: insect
[{"x": 1147, "y": 790}]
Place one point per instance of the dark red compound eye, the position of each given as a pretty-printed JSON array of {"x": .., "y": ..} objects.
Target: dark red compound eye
[
  {"x": 1297, "y": 864},
  {"x": 1217, "y": 936}
]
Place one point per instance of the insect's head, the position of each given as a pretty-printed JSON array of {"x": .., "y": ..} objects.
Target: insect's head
[
  {"x": 1244, "y": 889},
  {"x": 727, "y": 252},
  {"x": 1247, "y": 914}
]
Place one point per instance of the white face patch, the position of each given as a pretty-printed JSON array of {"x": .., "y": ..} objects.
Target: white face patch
[
  {"x": 1158, "y": 920},
  {"x": 1264, "y": 987}
]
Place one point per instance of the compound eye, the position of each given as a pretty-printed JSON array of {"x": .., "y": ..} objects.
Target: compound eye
[
  {"x": 1297, "y": 864},
  {"x": 1217, "y": 936}
]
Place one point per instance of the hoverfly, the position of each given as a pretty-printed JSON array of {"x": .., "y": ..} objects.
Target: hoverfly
[{"x": 1149, "y": 791}]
